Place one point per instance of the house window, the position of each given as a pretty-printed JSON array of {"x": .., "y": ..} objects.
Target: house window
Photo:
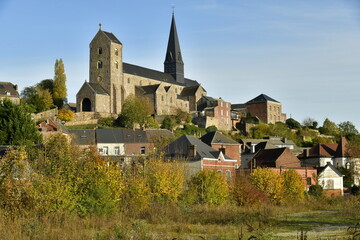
[
  {"x": 329, "y": 184},
  {"x": 128, "y": 80},
  {"x": 222, "y": 112},
  {"x": 99, "y": 78},
  {"x": 116, "y": 150},
  {"x": 308, "y": 181},
  {"x": 142, "y": 150},
  {"x": 105, "y": 150},
  {"x": 162, "y": 98},
  {"x": 99, "y": 50},
  {"x": 221, "y": 104},
  {"x": 170, "y": 99},
  {"x": 99, "y": 64},
  {"x": 116, "y": 65},
  {"x": 116, "y": 52},
  {"x": 228, "y": 176}
]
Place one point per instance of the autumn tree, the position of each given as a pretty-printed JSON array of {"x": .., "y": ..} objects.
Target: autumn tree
[
  {"x": 37, "y": 98},
  {"x": 134, "y": 111},
  {"x": 209, "y": 187},
  {"x": 60, "y": 91},
  {"x": 269, "y": 182},
  {"x": 65, "y": 114},
  {"x": 165, "y": 179},
  {"x": 16, "y": 125},
  {"x": 294, "y": 186}
]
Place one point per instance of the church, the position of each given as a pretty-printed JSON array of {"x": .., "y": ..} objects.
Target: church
[{"x": 112, "y": 80}]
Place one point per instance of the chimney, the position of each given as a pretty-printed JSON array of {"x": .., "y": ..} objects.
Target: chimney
[
  {"x": 306, "y": 152},
  {"x": 191, "y": 151},
  {"x": 16, "y": 87}
]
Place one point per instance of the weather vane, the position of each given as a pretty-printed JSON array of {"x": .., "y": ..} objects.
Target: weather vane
[
  {"x": 173, "y": 7},
  {"x": 100, "y": 26}
]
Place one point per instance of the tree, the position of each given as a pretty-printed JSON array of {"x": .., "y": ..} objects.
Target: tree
[
  {"x": 270, "y": 182},
  {"x": 310, "y": 123},
  {"x": 260, "y": 131},
  {"x": 168, "y": 123},
  {"x": 66, "y": 114},
  {"x": 134, "y": 111},
  {"x": 293, "y": 124},
  {"x": 211, "y": 128},
  {"x": 293, "y": 185},
  {"x": 329, "y": 128},
  {"x": 209, "y": 187},
  {"x": 348, "y": 129},
  {"x": 316, "y": 191},
  {"x": 59, "y": 94},
  {"x": 46, "y": 84},
  {"x": 16, "y": 125},
  {"x": 353, "y": 146}
]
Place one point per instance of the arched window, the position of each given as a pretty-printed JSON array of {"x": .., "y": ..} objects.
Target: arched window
[
  {"x": 99, "y": 64},
  {"x": 117, "y": 65},
  {"x": 116, "y": 52},
  {"x": 99, "y": 50}
]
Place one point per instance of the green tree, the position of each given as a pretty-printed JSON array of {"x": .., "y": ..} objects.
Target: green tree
[
  {"x": 260, "y": 131},
  {"x": 269, "y": 182},
  {"x": 293, "y": 124},
  {"x": 310, "y": 123},
  {"x": 294, "y": 186},
  {"x": 316, "y": 191},
  {"x": 329, "y": 128},
  {"x": 46, "y": 84},
  {"x": 60, "y": 91},
  {"x": 209, "y": 187},
  {"x": 168, "y": 123},
  {"x": 348, "y": 129},
  {"x": 134, "y": 111},
  {"x": 16, "y": 125},
  {"x": 353, "y": 146},
  {"x": 211, "y": 128}
]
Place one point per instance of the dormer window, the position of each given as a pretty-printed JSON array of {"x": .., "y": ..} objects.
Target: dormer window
[
  {"x": 99, "y": 50},
  {"x": 99, "y": 64}
]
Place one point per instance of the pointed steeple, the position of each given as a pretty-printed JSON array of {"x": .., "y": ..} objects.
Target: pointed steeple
[{"x": 174, "y": 64}]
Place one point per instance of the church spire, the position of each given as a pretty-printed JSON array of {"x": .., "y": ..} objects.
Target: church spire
[{"x": 174, "y": 64}]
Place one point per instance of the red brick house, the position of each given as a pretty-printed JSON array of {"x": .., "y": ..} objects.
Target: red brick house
[
  {"x": 199, "y": 156},
  {"x": 226, "y": 145}
]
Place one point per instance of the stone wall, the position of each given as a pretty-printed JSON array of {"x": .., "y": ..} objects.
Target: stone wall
[{"x": 46, "y": 114}]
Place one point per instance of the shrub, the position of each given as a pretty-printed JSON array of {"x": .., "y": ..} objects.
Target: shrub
[
  {"x": 65, "y": 114},
  {"x": 316, "y": 191}
]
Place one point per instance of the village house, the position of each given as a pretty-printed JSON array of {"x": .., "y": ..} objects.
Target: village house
[
  {"x": 213, "y": 112},
  {"x": 331, "y": 180},
  {"x": 199, "y": 156},
  {"x": 9, "y": 91},
  {"x": 226, "y": 145}
]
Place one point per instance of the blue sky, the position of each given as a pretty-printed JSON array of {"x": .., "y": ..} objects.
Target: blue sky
[{"x": 305, "y": 54}]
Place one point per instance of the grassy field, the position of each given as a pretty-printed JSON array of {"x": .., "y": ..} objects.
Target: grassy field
[{"x": 326, "y": 219}]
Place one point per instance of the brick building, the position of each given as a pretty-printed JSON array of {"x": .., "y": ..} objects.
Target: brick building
[{"x": 112, "y": 80}]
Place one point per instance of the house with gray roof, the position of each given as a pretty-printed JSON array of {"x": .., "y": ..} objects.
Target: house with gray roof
[
  {"x": 199, "y": 156},
  {"x": 9, "y": 91}
]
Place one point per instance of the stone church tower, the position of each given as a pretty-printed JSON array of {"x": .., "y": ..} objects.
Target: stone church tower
[{"x": 112, "y": 80}]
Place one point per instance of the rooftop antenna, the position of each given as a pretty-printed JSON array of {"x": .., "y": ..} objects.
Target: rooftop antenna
[{"x": 99, "y": 26}]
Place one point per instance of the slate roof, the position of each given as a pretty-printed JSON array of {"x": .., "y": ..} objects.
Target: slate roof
[
  {"x": 83, "y": 136},
  {"x": 261, "y": 98},
  {"x": 156, "y": 75},
  {"x": 120, "y": 136},
  {"x": 268, "y": 157},
  {"x": 264, "y": 145},
  {"x": 97, "y": 88},
  {"x": 112, "y": 37},
  {"x": 238, "y": 106},
  {"x": 216, "y": 137},
  {"x": 179, "y": 148},
  {"x": 156, "y": 134},
  {"x": 8, "y": 87},
  {"x": 149, "y": 89}
]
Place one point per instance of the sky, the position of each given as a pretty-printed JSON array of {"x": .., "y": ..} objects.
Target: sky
[{"x": 304, "y": 54}]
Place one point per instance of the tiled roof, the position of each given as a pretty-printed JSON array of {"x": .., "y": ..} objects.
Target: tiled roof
[
  {"x": 261, "y": 98},
  {"x": 8, "y": 89},
  {"x": 120, "y": 136},
  {"x": 179, "y": 148},
  {"x": 156, "y": 75},
  {"x": 216, "y": 137}
]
